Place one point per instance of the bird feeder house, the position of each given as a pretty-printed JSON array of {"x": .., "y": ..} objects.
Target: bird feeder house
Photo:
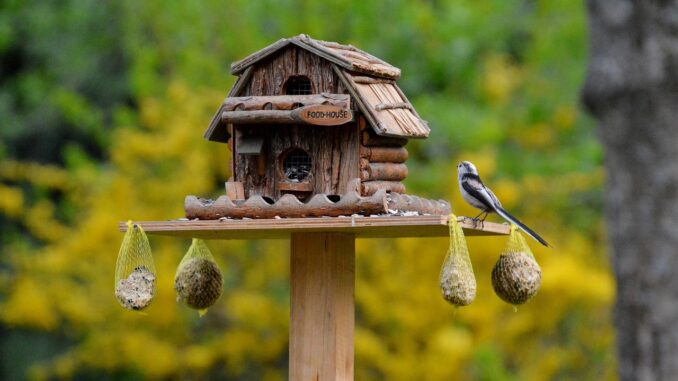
[
  {"x": 316, "y": 132},
  {"x": 315, "y": 129}
]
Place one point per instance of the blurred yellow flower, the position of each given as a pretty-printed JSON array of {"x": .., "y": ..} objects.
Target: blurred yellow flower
[{"x": 500, "y": 78}]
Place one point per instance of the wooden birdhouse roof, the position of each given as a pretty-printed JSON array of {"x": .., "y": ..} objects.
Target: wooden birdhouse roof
[
  {"x": 345, "y": 56},
  {"x": 369, "y": 81}
]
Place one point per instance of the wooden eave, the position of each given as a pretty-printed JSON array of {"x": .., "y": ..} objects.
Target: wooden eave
[{"x": 266, "y": 109}]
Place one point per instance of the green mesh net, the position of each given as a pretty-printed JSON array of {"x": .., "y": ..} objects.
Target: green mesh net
[
  {"x": 516, "y": 277},
  {"x": 135, "y": 270},
  {"x": 457, "y": 282},
  {"x": 198, "y": 280}
]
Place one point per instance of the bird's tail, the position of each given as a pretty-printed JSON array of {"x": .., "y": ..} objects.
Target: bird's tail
[{"x": 507, "y": 216}]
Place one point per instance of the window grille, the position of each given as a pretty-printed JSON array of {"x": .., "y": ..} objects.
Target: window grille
[
  {"x": 297, "y": 165},
  {"x": 298, "y": 85}
]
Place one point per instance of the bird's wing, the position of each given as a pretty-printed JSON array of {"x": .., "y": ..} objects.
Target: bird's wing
[
  {"x": 479, "y": 191},
  {"x": 495, "y": 200}
]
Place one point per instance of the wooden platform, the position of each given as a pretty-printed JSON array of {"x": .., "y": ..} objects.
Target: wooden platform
[{"x": 361, "y": 227}]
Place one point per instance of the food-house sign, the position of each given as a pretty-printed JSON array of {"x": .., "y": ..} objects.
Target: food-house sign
[{"x": 323, "y": 115}]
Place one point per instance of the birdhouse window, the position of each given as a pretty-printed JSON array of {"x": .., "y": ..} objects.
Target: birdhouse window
[
  {"x": 298, "y": 85},
  {"x": 296, "y": 165}
]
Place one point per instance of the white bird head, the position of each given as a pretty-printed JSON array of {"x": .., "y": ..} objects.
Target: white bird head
[{"x": 466, "y": 167}]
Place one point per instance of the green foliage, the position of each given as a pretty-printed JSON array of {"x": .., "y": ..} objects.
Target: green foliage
[{"x": 104, "y": 106}]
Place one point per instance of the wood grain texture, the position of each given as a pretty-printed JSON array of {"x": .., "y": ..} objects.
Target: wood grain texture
[
  {"x": 322, "y": 307},
  {"x": 384, "y": 154},
  {"x": 333, "y": 151},
  {"x": 384, "y": 171},
  {"x": 269, "y": 76},
  {"x": 235, "y": 190},
  {"x": 288, "y": 205},
  {"x": 346, "y": 56},
  {"x": 371, "y": 187},
  {"x": 362, "y": 227}
]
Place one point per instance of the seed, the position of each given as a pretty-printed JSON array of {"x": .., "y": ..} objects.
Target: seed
[
  {"x": 457, "y": 282},
  {"x": 136, "y": 291}
]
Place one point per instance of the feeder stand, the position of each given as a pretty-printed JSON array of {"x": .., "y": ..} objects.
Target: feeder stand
[{"x": 322, "y": 279}]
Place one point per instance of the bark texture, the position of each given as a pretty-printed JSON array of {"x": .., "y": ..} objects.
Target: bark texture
[{"x": 631, "y": 88}]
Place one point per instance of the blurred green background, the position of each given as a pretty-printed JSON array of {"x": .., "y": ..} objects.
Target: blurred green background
[{"x": 102, "y": 110}]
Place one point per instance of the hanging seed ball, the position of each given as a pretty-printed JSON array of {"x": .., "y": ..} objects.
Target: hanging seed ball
[
  {"x": 199, "y": 283},
  {"x": 136, "y": 291},
  {"x": 516, "y": 277},
  {"x": 457, "y": 282}
]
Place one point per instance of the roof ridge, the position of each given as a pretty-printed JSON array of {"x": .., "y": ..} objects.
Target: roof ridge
[{"x": 354, "y": 59}]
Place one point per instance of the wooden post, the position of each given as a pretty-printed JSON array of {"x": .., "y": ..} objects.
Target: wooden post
[{"x": 322, "y": 307}]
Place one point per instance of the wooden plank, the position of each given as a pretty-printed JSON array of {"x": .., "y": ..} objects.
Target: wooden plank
[
  {"x": 362, "y": 227},
  {"x": 235, "y": 190},
  {"x": 322, "y": 307},
  {"x": 322, "y": 115}
]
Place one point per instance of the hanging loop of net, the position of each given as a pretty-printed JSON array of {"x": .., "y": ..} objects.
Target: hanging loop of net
[
  {"x": 198, "y": 280},
  {"x": 516, "y": 243},
  {"x": 457, "y": 282},
  {"x": 135, "y": 270},
  {"x": 516, "y": 277}
]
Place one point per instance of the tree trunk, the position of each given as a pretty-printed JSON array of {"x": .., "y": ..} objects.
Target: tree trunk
[{"x": 632, "y": 90}]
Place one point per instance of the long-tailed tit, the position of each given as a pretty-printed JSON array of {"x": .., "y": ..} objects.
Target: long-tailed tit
[{"x": 481, "y": 197}]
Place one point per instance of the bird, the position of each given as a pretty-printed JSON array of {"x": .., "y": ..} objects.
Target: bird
[{"x": 474, "y": 191}]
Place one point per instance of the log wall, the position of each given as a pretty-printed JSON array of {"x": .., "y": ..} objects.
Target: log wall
[{"x": 381, "y": 161}]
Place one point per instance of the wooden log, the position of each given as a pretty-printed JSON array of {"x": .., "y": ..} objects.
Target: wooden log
[
  {"x": 371, "y": 187},
  {"x": 369, "y": 139},
  {"x": 287, "y": 206},
  {"x": 315, "y": 115},
  {"x": 384, "y": 154},
  {"x": 384, "y": 171},
  {"x": 372, "y": 80},
  {"x": 257, "y": 117},
  {"x": 409, "y": 203},
  {"x": 322, "y": 306},
  {"x": 285, "y": 102}
]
